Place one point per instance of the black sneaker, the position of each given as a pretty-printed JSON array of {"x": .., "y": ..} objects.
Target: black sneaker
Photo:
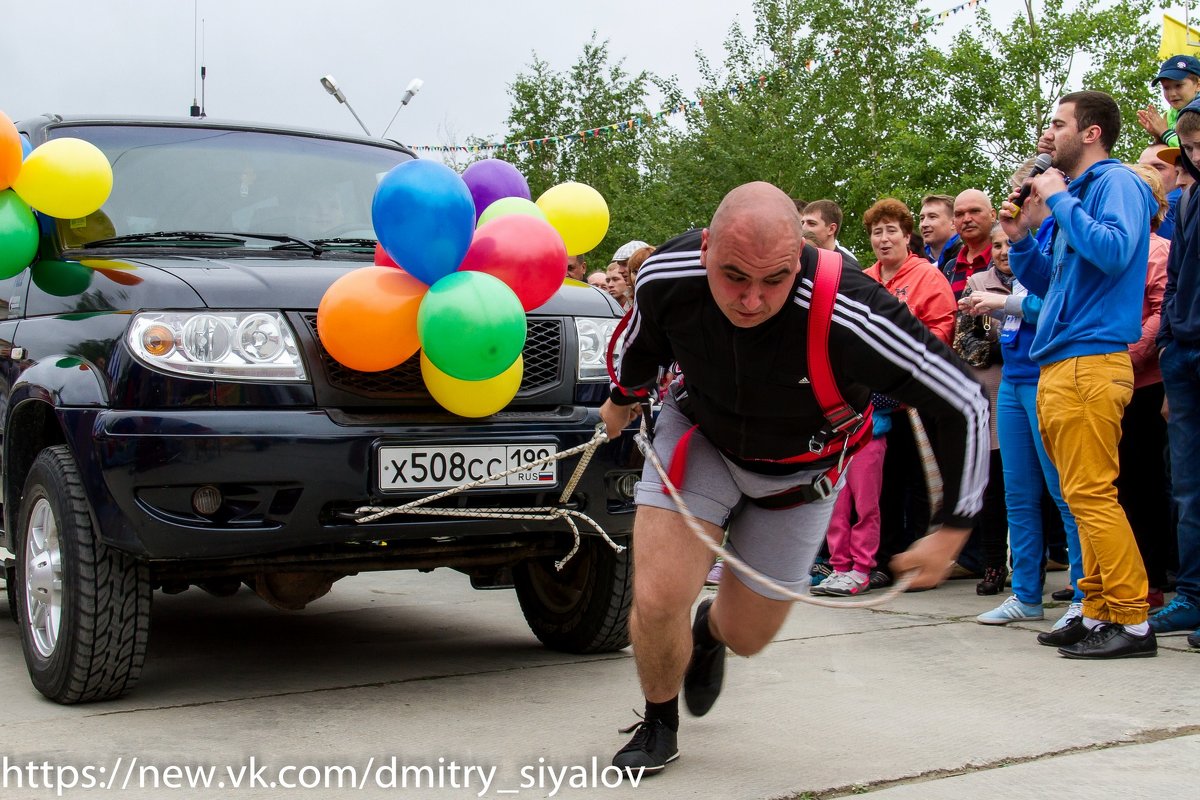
[
  {"x": 653, "y": 746},
  {"x": 706, "y": 670},
  {"x": 1110, "y": 640},
  {"x": 992, "y": 583},
  {"x": 880, "y": 579},
  {"x": 1194, "y": 639},
  {"x": 1070, "y": 634}
]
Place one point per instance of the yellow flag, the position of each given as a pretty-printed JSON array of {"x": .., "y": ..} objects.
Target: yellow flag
[{"x": 1175, "y": 37}]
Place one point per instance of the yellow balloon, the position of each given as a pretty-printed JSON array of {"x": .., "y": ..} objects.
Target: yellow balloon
[
  {"x": 65, "y": 178},
  {"x": 472, "y": 398},
  {"x": 578, "y": 213}
]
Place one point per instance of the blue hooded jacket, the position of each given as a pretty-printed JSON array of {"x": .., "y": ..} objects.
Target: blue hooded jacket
[
  {"x": 1094, "y": 274},
  {"x": 1181, "y": 300}
]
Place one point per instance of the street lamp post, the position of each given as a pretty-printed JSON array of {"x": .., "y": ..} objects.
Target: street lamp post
[
  {"x": 331, "y": 86},
  {"x": 414, "y": 86}
]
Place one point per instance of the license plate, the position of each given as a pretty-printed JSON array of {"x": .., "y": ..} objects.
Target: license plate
[{"x": 443, "y": 467}]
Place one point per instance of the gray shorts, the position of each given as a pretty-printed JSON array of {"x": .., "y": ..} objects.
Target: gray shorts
[{"x": 779, "y": 543}]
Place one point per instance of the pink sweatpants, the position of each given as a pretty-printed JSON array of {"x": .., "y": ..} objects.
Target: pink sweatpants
[{"x": 854, "y": 547}]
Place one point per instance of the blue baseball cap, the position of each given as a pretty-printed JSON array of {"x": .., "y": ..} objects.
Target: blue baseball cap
[{"x": 1177, "y": 68}]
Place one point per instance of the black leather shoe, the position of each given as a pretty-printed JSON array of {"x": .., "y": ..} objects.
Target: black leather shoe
[
  {"x": 1063, "y": 594},
  {"x": 706, "y": 671},
  {"x": 1110, "y": 640},
  {"x": 1071, "y": 633},
  {"x": 652, "y": 747}
]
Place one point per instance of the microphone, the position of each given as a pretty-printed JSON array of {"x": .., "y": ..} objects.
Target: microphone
[{"x": 1040, "y": 165}]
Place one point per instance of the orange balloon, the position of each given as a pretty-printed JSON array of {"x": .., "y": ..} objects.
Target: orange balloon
[
  {"x": 367, "y": 319},
  {"x": 10, "y": 151}
]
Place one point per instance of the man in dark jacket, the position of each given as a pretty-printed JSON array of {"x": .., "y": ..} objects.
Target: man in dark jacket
[
  {"x": 730, "y": 304},
  {"x": 942, "y": 243},
  {"x": 1179, "y": 358}
]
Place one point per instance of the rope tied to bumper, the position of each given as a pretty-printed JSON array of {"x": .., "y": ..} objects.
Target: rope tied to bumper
[{"x": 536, "y": 513}]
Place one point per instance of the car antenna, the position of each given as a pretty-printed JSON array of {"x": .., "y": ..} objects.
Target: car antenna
[{"x": 195, "y": 109}]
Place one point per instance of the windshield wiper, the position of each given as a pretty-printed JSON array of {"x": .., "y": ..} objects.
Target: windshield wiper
[
  {"x": 359, "y": 242},
  {"x": 166, "y": 237},
  {"x": 289, "y": 242}
]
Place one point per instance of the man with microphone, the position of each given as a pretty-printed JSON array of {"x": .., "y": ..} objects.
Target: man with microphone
[{"x": 1092, "y": 277}]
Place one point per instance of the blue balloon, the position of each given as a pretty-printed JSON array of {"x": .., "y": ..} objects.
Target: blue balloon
[
  {"x": 424, "y": 217},
  {"x": 26, "y": 148}
]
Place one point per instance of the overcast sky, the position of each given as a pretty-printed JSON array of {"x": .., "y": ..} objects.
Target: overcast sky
[{"x": 265, "y": 57}]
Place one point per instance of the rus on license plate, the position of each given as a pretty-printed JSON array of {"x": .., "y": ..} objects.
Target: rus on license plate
[{"x": 444, "y": 467}]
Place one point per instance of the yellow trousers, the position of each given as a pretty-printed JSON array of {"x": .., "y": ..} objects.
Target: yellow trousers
[{"x": 1080, "y": 402}]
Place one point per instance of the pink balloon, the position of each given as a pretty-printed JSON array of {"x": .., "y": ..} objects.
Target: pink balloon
[{"x": 524, "y": 252}]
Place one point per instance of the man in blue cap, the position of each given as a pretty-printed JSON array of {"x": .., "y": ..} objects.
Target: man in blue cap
[{"x": 1179, "y": 77}]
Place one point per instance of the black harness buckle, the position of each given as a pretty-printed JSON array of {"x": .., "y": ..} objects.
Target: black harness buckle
[{"x": 820, "y": 440}]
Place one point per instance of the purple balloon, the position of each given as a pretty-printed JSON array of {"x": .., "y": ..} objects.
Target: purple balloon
[{"x": 492, "y": 179}]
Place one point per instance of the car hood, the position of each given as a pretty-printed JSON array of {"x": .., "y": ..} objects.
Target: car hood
[{"x": 299, "y": 284}]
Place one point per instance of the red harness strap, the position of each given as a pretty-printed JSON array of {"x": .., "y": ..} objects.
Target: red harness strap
[{"x": 641, "y": 393}]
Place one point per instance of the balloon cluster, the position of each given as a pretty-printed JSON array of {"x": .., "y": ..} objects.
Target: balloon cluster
[
  {"x": 64, "y": 178},
  {"x": 459, "y": 262}
]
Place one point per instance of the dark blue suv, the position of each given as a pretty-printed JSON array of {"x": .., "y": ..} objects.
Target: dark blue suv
[{"x": 170, "y": 418}]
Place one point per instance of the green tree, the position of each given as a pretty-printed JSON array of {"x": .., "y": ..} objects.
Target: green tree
[
  {"x": 827, "y": 98},
  {"x": 549, "y": 110},
  {"x": 1007, "y": 80}
]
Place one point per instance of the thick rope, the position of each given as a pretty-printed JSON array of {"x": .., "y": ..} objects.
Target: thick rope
[
  {"x": 745, "y": 570},
  {"x": 588, "y": 449},
  {"x": 539, "y": 513}
]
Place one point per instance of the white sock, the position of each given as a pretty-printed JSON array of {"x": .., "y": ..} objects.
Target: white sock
[
  {"x": 1141, "y": 629},
  {"x": 1091, "y": 624}
]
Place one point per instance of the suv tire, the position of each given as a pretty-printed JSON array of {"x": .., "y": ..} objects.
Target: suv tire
[
  {"x": 585, "y": 607},
  {"x": 83, "y": 608}
]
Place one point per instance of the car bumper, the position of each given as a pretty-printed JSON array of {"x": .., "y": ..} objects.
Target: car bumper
[{"x": 291, "y": 480}]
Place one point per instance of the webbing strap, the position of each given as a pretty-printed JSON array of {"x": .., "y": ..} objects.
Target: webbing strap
[
  {"x": 641, "y": 393},
  {"x": 826, "y": 280}
]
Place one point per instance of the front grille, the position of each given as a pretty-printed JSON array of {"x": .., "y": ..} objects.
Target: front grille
[{"x": 543, "y": 362}]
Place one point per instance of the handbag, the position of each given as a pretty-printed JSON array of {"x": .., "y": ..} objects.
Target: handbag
[{"x": 973, "y": 338}]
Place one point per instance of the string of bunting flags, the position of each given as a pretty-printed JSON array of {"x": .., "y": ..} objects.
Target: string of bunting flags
[
  {"x": 932, "y": 18},
  {"x": 636, "y": 122}
]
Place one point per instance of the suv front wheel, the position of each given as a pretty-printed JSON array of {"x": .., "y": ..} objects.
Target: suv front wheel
[
  {"x": 83, "y": 608},
  {"x": 585, "y": 607}
]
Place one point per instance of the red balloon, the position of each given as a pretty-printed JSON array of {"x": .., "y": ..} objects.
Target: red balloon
[
  {"x": 524, "y": 252},
  {"x": 382, "y": 259}
]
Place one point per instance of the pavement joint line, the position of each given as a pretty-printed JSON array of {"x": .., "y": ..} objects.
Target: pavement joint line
[
  {"x": 354, "y": 686},
  {"x": 1149, "y": 736},
  {"x": 815, "y": 637}
]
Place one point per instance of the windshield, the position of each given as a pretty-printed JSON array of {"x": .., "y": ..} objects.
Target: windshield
[{"x": 231, "y": 181}]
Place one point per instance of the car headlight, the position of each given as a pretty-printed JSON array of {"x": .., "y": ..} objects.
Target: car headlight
[
  {"x": 236, "y": 345},
  {"x": 594, "y": 336}
]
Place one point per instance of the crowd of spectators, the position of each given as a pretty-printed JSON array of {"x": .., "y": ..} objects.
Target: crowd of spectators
[{"x": 1077, "y": 307}]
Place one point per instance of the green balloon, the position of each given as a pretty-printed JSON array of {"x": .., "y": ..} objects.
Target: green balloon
[
  {"x": 62, "y": 278},
  {"x": 471, "y": 325},
  {"x": 18, "y": 234},
  {"x": 510, "y": 205}
]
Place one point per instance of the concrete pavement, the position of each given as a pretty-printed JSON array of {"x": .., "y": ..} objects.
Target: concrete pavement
[{"x": 912, "y": 701}]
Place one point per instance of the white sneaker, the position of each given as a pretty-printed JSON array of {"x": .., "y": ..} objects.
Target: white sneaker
[
  {"x": 843, "y": 584},
  {"x": 1011, "y": 610},
  {"x": 1074, "y": 610}
]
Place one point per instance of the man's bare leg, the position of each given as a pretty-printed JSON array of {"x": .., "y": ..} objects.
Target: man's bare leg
[{"x": 670, "y": 564}]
